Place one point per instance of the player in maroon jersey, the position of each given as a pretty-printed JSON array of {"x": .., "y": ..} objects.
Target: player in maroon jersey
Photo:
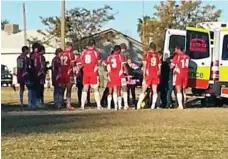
[
  {"x": 151, "y": 74},
  {"x": 180, "y": 64},
  {"x": 22, "y": 71},
  {"x": 58, "y": 91},
  {"x": 67, "y": 61},
  {"x": 114, "y": 64},
  {"x": 43, "y": 76},
  {"x": 90, "y": 58}
]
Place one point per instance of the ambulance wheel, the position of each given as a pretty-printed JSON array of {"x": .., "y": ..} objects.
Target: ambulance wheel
[
  {"x": 219, "y": 102},
  {"x": 208, "y": 102}
]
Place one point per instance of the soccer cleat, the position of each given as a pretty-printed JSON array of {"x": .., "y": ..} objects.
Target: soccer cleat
[
  {"x": 70, "y": 108},
  {"x": 100, "y": 107},
  {"x": 152, "y": 107},
  {"x": 126, "y": 108},
  {"x": 109, "y": 108},
  {"x": 180, "y": 107}
]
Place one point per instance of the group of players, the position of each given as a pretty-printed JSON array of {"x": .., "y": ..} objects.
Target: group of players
[{"x": 65, "y": 67}]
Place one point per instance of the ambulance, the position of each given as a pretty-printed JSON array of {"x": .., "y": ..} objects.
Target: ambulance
[{"x": 207, "y": 46}]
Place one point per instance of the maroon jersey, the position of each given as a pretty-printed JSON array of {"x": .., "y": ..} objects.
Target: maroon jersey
[
  {"x": 66, "y": 69},
  {"x": 55, "y": 64},
  {"x": 22, "y": 69}
]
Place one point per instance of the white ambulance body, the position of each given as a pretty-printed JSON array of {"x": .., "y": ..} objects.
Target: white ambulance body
[{"x": 207, "y": 46}]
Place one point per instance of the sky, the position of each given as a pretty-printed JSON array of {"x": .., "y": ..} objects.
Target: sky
[{"x": 125, "y": 21}]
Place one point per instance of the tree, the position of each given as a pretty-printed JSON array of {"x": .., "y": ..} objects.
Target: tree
[
  {"x": 3, "y": 22},
  {"x": 170, "y": 14},
  {"x": 80, "y": 22}
]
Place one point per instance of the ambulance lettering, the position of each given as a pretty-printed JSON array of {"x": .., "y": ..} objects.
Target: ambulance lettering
[
  {"x": 198, "y": 45},
  {"x": 198, "y": 75}
]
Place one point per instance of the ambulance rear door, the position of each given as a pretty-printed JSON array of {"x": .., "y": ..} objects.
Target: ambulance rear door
[
  {"x": 223, "y": 56},
  {"x": 173, "y": 37},
  {"x": 199, "y": 50}
]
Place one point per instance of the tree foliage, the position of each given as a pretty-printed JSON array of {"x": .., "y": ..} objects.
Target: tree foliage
[
  {"x": 79, "y": 22},
  {"x": 176, "y": 15},
  {"x": 3, "y": 22}
]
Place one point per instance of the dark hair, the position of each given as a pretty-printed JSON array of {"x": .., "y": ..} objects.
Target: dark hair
[
  {"x": 117, "y": 48},
  {"x": 57, "y": 51},
  {"x": 69, "y": 44},
  {"x": 35, "y": 45},
  {"x": 123, "y": 46},
  {"x": 152, "y": 46},
  {"x": 24, "y": 48},
  {"x": 178, "y": 46},
  {"x": 91, "y": 42},
  {"x": 41, "y": 48}
]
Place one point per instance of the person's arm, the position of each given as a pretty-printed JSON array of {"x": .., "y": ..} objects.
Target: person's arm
[
  {"x": 173, "y": 62},
  {"x": 159, "y": 66}
]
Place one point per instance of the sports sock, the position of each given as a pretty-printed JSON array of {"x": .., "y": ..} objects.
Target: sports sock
[
  {"x": 83, "y": 99},
  {"x": 109, "y": 101}
]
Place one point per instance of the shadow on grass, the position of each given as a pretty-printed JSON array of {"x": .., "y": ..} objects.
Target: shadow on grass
[{"x": 23, "y": 124}]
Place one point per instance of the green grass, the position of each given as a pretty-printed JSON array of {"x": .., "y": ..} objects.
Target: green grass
[
  {"x": 195, "y": 133},
  {"x": 190, "y": 133}
]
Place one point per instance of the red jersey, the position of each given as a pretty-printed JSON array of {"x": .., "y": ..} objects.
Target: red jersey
[
  {"x": 55, "y": 67},
  {"x": 181, "y": 62},
  {"x": 153, "y": 64},
  {"x": 115, "y": 64},
  {"x": 66, "y": 60},
  {"x": 22, "y": 69},
  {"x": 89, "y": 59}
]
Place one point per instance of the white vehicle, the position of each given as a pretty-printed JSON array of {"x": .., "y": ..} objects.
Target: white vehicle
[{"x": 207, "y": 46}]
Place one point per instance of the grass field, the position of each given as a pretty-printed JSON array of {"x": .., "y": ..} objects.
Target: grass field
[{"x": 190, "y": 133}]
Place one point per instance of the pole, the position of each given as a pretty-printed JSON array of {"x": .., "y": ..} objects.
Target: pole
[
  {"x": 63, "y": 24},
  {"x": 143, "y": 34},
  {"x": 24, "y": 23}
]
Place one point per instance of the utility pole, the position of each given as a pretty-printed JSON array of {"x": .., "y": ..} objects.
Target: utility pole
[
  {"x": 63, "y": 24},
  {"x": 24, "y": 23},
  {"x": 143, "y": 29}
]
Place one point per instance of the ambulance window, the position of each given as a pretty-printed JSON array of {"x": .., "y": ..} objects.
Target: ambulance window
[
  {"x": 197, "y": 45},
  {"x": 176, "y": 39},
  {"x": 225, "y": 48}
]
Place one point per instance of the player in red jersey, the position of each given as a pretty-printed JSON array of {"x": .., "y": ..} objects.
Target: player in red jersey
[
  {"x": 151, "y": 74},
  {"x": 180, "y": 64},
  {"x": 67, "y": 60},
  {"x": 90, "y": 58},
  {"x": 115, "y": 73},
  {"x": 58, "y": 91},
  {"x": 22, "y": 71}
]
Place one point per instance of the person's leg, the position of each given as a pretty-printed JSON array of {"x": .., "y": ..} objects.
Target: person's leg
[
  {"x": 68, "y": 96},
  {"x": 142, "y": 94},
  {"x": 80, "y": 87},
  {"x": 105, "y": 96},
  {"x": 42, "y": 93},
  {"x": 84, "y": 95},
  {"x": 179, "y": 97},
  {"x": 97, "y": 96},
  {"x": 29, "y": 96},
  {"x": 109, "y": 98},
  {"x": 55, "y": 95},
  {"x": 128, "y": 93},
  {"x": 88, "y": 96},
  {"x": 22, "y": 89},
  {"x": 155, "y": 95},
  {"x": 133, "y": 94}
]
